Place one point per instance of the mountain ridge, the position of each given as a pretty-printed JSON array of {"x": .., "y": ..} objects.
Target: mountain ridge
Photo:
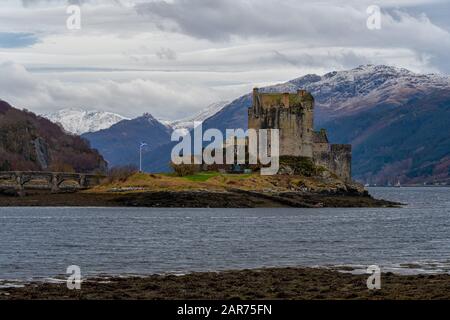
[
  {"x": 204, "y": 114},
  {"x": 120, "y": 143},
  {"x": 79, "y": 121}
]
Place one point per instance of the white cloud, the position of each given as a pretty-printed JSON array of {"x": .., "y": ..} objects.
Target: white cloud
[
  {"x": 172, "y": 58},
  {"x": 129, "y": 97}
]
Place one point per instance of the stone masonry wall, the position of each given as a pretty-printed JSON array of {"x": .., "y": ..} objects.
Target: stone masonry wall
[
  {"x": 337, "y": 159},
  {"x": 292, "y": 114}
]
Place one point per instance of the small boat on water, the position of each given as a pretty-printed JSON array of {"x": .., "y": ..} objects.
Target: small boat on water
[{"x": 398, "y": 185}]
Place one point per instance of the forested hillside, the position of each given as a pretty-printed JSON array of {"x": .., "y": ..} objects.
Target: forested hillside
[{"x": 32, "y": 143}]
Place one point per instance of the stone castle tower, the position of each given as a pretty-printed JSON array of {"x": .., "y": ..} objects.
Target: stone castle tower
[{"x": 293, "y": 115}]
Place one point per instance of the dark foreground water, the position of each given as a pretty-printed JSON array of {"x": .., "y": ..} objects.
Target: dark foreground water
[{"x": 38, "y": 243}]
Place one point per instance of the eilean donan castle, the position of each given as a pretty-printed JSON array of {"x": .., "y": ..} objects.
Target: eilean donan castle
[{"x": 293, "y": 115}]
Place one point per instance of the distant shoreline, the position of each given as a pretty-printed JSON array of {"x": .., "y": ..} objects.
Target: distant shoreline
[
  {"x": 257, "y": 284},
  {"x": 194, "y": 199}
]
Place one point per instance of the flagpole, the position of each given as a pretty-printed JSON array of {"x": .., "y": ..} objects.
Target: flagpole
[
  {"x": 140, "y": 159},
  {"x": 142, "y": 145}
]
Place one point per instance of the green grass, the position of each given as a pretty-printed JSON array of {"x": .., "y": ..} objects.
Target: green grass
[
  {"x": 202, "y": 176},
  {"x": 205, "y": 176}
]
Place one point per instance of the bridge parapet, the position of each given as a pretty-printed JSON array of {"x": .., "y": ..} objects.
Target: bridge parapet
[{"x": 47, "y": 180}]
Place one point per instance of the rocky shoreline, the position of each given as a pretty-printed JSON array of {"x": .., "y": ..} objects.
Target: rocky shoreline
[
  {"x": 232, "y": 198},
  {"x": 260, "y": 284}
]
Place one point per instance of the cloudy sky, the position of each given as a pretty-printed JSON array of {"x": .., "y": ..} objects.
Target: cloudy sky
[{"x": 174, "y": 57}]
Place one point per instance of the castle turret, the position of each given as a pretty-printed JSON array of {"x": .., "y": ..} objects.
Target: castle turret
[{"x": 307, "y": 101}]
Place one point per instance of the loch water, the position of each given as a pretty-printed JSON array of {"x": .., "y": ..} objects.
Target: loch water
[{"x": 40, "y": 243}]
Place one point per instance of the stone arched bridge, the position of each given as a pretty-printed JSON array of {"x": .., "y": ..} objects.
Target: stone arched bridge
[{"x": 21, "y": 180}]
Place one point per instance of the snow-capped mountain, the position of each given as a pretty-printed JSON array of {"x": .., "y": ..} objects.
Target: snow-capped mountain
[
  {"x": 79, "y": 121},
  {"x": 188, "y": 123},
  {"x": 343, "y": 92},
  {"x": 119, "y": 144}
]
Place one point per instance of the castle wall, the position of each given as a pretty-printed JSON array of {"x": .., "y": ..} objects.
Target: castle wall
[
  {"x": 341, "y": 165},
  {"x": 335, "y": 157},
  {"x": 307, "y": 124},
  {"x": 321, "y": 154}
]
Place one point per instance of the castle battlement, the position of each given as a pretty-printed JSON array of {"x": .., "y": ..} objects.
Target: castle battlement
[{"x": 264, "y": 101}]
